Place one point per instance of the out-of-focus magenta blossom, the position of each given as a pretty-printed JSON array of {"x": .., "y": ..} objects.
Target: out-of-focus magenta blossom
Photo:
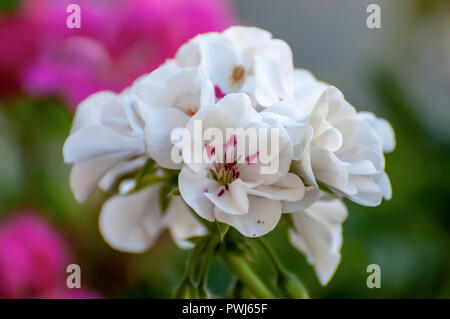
[
  {"x": 33, "y": 260},
  {"x": 118, "y": 41}
]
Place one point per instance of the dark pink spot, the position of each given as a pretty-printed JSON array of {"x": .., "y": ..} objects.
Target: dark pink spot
[
  {"x": 218, "y": 92},
  {"x": 205, "y": 190},
  {"x": 210, "y": 150},
  {"x": 249, "y": 159}
]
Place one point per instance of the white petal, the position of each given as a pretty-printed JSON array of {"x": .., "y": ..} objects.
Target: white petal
[
  {"x": 181, "y": 223},
  {"x": 238, "y": 106},
  {"x": 329, "y": 169},
  {"x": 302, "y": 166},
  {"x": 85, "y": 175},
  {"x": 289, "y": 187},
  {"x": 232, "y": 201},
  {"x": 158, "y": 129},
  {"x": 276, "y": 56},
  {"x": 245, "y": 37},
  {"x": 368, "y": 191},
  {"x": 310, "y": 197},
  {"x": 131, "y": 223},
  {"x": 318, "y": 234},
  {"x": 95, "y": 140},
  {"x": 118, "y": 170},
  {"x": 383, "y": 129},
  {"x": 218, "y": 61},
  {"x": 192, "y": 187},
  {"x": 307, "y": 89},
  {"x": 262, "y": 217},
  {"x": 268, "y": 83},
  {"x": 100, "y": 108},
  {"x": 385, "y": 185}
]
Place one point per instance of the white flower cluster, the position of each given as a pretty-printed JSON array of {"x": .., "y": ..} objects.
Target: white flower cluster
[{"x": 239, "y": 78}]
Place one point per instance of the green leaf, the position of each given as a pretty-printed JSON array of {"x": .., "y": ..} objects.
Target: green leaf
[
  {"x": 165, "y": 197},
  {"x": 149, "y": 168}
]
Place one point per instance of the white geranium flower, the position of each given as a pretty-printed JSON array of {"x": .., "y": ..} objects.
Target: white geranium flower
[
  {"x": 103, "y": 143},
  {"x": 343, "y": 148},
  {"x": 235, "y": 192},
  {"x": 133, "y": 222},
  {"x": 165, "y": 100},
  {"x": 317, "y": 233},
  {"x": 242, "y": 59}
]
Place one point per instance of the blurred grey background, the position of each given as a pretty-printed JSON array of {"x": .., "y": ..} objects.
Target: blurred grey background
[{"x": 331, "y": 39}]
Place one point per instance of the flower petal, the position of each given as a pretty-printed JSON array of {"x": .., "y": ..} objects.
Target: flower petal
[
  {"x": 262, "y": 217},
  {"x": 289, "y": 187},
  {"x": 181, "y": 223},
  {"x": 383, "y": 129},
  {"x": 132, "y": 223},
  {"x": 318, "y": 235},
  {"x": 232, "y": 201},
  {"x": 192, "y": 187}
]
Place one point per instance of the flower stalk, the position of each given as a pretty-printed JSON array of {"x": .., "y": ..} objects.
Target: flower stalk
[
  {"x": 289, "y": 284},
  {"x": 246, "y": 275}
]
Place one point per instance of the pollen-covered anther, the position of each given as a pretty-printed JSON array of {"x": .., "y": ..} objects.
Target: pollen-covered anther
[
  {"x": 190, "y": 110},
  {"x": 226, "y": 174},
  {"x": 238, "y": 74}
]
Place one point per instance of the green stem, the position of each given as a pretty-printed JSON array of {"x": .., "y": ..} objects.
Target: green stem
[
  {"x": 186, "y": 289},
  {"x": 206, "y": 261},
  {"x": 270, "y": 253},
  {"x": 248, "y": 277},
  {"x": 289, "y": 283}
]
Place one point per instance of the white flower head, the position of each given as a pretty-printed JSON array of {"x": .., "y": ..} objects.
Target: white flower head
[
  {"x": 233, "y": 191},
  {"x": 306, "y": 136},
  {"x": 242, "y": 59}
]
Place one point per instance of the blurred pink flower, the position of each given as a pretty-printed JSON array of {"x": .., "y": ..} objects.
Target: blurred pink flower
[
  {"x": 118, "y": 41},
  {"x": 33, "y": 260}
]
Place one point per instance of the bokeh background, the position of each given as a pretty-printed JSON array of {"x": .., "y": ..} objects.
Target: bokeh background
[{"x": 401, "y": 71}]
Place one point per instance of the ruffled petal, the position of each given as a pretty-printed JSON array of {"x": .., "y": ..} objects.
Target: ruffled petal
[
  {"x": 318, "y": 234},
  {"x": 262, "y": 217},
  {"x": 132, "y": 223},
  {"x": 192, "y": 187},
  {"x": 181, "y": 223}
]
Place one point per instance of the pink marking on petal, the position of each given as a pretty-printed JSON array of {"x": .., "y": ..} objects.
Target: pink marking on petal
[
  {"x": 249, "y": 159},
  {"x": 232, "y": 141},
  {"x": 218, "y": 92},
  {"x": 210, "y": 150},
  {"x": 205, "y": 190}
]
